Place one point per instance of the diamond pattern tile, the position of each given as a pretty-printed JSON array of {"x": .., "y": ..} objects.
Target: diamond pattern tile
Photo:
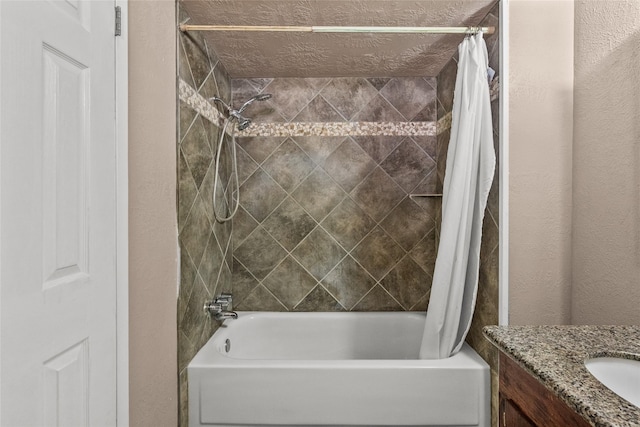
[
  {"x": 429, "y": 185},
  {"x": 407, "y": 282},
  {"x": 349, "y": 164},
  {"x": 291, "y": 95},
  {"x": 318, "y": 110},
  {"x": 259, "y": 148},
  {"x": 197, "y": 151},
  {"x": 222, "y": 80},
  {"x": 243, "y": 282},
  {"x": 408, "y": 165},
  {"x": 378, "y": 147},
  {"x": 289, "y": 224},
  {"x": 318, "y": 194},
  {"x": 288, "y": 165},
  {"x": 377, "y": 300},
  {"x": 377, "y": 194},
  {"x": 319, "y": 253},
  {"x": 424, "y": 252},
  {"x": 184, "y": 70},
  {"x": 378, "y": 253},
  {"x": 348, "y": 224},
  {"x": 260, "y": 253},
  {"x": 195, "y": 318},
  {"x": 259, "y": 83},
  {"x": 348, "y": 282},
  {"x": 192, "y": 238},
  {"x": 378, "y": 110},
  {"x": 260, "y": 299},
  {"x": 428, "y": 143},
  {"x": 289, "y": 282},
  {"x": 187, "y": 190},
  {"x": 246, "y": 165},
  {"x": 196, "y": 53},
  {"x": 319, "y": 300},
  {"x": 409, "y": 95},
  {"x": 209, "y": 87},
  {"x": 213, "y": 134},
  {"x": 206, "y": 192},
  {"x": 261, "y": 111},
  {"x": 260, "y": 195},
  {"x": 378, "y": 83},
  {"x": 210, "y": 263},
  {"x": 318, "y": 148},
  {"x": 188, "y": 272},
  {"x": 407, "y": 224},
  {"x": 187, "y": 116},
  {"x": 243, "y": 89},
  {"x": 348, "y": 95},
  {"x": 243, "y": 225}
]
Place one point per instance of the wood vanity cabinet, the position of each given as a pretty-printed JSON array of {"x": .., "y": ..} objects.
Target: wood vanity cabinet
[{"x": 525, "y": 402}]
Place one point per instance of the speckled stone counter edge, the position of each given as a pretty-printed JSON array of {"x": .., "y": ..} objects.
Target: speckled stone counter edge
[{"x": 555, "y": 355}]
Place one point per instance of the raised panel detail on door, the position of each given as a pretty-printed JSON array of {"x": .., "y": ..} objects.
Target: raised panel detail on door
[
  {"x": 65, "y": 387},
  {"x": 65, "y": 148}
]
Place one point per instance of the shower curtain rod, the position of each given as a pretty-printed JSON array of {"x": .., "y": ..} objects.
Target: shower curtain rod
[{"x": 329, "y": 29}]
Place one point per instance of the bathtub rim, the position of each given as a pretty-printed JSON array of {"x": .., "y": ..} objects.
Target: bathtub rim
[{"x": 209, "y": 356}]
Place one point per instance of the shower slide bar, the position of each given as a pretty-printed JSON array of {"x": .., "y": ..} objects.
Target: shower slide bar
[{"x": 328, "y": 29}]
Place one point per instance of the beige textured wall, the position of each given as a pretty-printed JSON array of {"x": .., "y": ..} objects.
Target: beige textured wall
[
  {"x": 152, "y": 214},
  {"x": 606, "y": 169},
  {"x": 540, "y": 140}
]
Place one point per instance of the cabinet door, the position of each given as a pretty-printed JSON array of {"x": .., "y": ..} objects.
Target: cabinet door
[{"x": 511, "y": 416}]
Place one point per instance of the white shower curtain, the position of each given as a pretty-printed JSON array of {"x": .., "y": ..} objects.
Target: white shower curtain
[{"x": 469, "y": 173}]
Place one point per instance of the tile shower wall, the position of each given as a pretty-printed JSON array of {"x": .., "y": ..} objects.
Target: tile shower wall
[
  {"x": 486, "y": 312},
  {"x": 328, "y": 223},
  {"x": 326, "y": 220},
  {"x": 205, "y": 245}
]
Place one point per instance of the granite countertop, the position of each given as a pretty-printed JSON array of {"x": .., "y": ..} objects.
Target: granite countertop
[{"x": 555, "y": 355}]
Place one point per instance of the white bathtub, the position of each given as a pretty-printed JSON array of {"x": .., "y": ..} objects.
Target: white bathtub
[{"x": 333, "y": 369}]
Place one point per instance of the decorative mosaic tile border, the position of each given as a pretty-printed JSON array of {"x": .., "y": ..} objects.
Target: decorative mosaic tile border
[
  {"x": 341, "y": 129},
  {"x": 193, "y": 99},
  {"x": 444, "y": 123},
  {"x": 188, "y": 95}
]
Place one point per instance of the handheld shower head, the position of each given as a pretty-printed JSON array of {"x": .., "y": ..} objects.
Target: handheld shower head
[
  {"x": 261, "y": 97},
  {"x": 243, "y": 122}
]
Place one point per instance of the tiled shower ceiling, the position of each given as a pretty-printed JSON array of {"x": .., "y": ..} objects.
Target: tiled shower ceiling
[{"x": 259, "y": 54}]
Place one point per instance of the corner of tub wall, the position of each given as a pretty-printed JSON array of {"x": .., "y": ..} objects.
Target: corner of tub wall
[{"x": 205, "y": 245}]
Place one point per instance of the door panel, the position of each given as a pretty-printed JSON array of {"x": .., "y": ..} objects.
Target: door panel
[{"x": 58, "y": 213}]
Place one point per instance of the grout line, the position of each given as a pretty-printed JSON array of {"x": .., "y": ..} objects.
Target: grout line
[
  {"x": 272, "y": 294},
  {"x": 346, "y": 119}
]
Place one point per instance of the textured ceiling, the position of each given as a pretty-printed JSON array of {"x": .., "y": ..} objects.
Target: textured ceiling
[{"x": 259, "y": 54}]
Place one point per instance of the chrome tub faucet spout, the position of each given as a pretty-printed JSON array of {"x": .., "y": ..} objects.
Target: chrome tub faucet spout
[{"x": 221, "y": 307}]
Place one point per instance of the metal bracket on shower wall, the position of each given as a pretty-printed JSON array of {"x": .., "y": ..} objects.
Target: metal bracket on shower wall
[{"x": 118, "y": 22}]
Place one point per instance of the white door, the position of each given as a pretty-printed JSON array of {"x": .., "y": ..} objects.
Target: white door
[{"x": 57, "y": 213}]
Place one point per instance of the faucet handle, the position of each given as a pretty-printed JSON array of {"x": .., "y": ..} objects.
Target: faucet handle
[
  {"x": 212, "y": 307},
  {"x": 225, "y": 300}
]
